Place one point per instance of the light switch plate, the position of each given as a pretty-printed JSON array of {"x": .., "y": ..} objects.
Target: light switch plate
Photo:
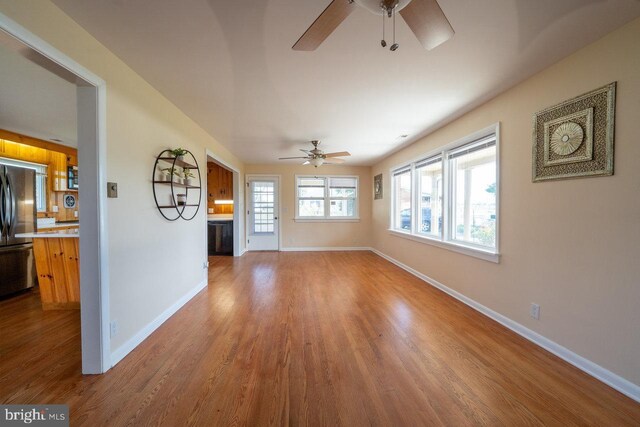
[{"x": 112, "y": 190}]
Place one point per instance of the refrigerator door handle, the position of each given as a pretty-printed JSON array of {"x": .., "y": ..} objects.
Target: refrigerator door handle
[
  {"x": 3, "y": 204},
  {"x": 11, "y": 217}
]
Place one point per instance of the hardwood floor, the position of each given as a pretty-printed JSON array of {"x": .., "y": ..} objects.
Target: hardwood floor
[{"x": 333, "y": 338}]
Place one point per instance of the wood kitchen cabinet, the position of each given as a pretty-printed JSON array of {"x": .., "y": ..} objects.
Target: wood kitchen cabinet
[
  {"x": 219, "y": 187},
  {"x": 57, "y": 171}
]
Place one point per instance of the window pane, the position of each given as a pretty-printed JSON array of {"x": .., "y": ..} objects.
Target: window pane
[
  {"x": 263, "y": 207},
  {"x": 311, "y": 191},
  {"x": 310, "y": 208},
  {"x": 430, "y": 197},
  {"x": 342, "y": 192},
  {"x": 342, "y": 208},
  {"x": 402, "y": 202},
  {"x": 474, "y": 197}
]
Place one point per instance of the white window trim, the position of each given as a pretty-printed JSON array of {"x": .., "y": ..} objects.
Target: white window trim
[
  {"x": 327, "y": 199},
  {"x": 40, "y": 170},
  {"x": 445, "y": 241}
]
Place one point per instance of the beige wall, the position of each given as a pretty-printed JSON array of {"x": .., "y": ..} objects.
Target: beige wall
[
  {"x": 324, "y": 234},
  {"x": 572, "y": 246},
  {"x": 140, "y": 123}
]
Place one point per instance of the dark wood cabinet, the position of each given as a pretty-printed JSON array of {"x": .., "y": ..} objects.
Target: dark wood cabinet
[{"x": 220, "y": 237}]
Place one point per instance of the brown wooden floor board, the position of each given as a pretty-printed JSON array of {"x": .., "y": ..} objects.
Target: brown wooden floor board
[{"x": 306, "y": 338}]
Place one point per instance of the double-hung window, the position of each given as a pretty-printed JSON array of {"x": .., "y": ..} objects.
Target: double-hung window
[
  {"x": 326, "y": 197},
  {"x": 41, "y": 180},
  {"x": 450, "y": 196}
]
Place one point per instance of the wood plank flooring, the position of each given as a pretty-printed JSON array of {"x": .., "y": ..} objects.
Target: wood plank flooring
[{"x": 324, "y": 338}]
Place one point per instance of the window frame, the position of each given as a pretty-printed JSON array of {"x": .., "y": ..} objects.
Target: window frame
[
  {"x": 446, "y": 238},
  {"x": 41, "y": 171},
  {"x": 327, "y": 200}
]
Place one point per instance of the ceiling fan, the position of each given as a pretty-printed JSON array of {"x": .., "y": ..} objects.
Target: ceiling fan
[
  {"x": 317, "y": 157},
  {"x": 424, "y": 17}
]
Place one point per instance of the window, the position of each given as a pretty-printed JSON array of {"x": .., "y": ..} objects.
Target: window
[
  {"x": 326, "y": 197},
  {"x": 41, "y": 180},
  {"x": 455, "y": 201}
]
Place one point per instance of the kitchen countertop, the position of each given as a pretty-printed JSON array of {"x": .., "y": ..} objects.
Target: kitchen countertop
[
  {"x": 219, "y": 217},
  {"x": 50, "y": 234},
  {"x": 60, "y": 225}
]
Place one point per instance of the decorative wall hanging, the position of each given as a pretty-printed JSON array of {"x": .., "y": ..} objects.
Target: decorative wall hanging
[
  {"x": 377, "y": 187},
  {"x": 575, "y": 138},
  {"x": 176, "y": 188}
]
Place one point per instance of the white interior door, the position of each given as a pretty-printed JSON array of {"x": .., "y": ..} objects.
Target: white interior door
[{"x": 262, "y": 214}]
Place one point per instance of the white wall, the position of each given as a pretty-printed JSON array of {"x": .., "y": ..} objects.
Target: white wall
[{"x": 152, "y": 263}]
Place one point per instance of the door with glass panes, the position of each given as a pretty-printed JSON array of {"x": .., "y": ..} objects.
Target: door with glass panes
[{"x": 262, "y": 214}]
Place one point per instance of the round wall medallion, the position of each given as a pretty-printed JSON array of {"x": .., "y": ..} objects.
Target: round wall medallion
[{"x": 566, "y": 138}]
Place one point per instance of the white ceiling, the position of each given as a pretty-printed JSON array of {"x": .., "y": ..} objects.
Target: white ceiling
[
  {"x": 230, "y": 67},
  {"x": 35, "y": 101}
]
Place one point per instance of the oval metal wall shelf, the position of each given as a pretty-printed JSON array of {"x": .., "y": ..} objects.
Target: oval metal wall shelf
[{"x": 173, "y": 210}]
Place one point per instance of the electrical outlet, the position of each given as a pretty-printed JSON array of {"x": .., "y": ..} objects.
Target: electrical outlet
[
  {"x": 535, "y": 311},
  {"x": 55, "y": 208},
  {"x": 114, "y": 328}
]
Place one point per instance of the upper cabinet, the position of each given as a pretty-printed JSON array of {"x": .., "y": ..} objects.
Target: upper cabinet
[
  {"x": 219, "y": 187},
  {"x": 57, "y": 171},
  {"x": 219, "y": 183}
]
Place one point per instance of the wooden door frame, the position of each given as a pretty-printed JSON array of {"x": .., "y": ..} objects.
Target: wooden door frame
[
  {"x": 278, "y": 177},
  {"x": 94, "y": 245}
]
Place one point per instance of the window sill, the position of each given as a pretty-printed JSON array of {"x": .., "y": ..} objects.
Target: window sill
[
  {"x": 462, "y": 249},
  {"x": 326, "y": 220}
]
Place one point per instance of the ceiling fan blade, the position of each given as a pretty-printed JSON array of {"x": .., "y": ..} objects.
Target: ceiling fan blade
[
  {"x": 307, "y": 162},
  {"x": 337, "y": 154},
  {"x": 324, "y": 25},
  {"x": 304, "y": 151},
  {"x": 428, "y": 22},
  {"x": 334, "y": 161},
  {"x": 291, "y": 158}
]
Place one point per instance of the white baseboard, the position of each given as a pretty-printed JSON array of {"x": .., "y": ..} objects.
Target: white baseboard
[
  {"x": 615, "y": 381},
  {"x": 133, "y": 342},
  {"x": 326, "y": 249},
  {"x": 243, "y": 251}
]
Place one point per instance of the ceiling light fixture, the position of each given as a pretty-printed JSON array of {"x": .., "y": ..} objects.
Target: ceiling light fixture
[{"x": 318, "y": 161}]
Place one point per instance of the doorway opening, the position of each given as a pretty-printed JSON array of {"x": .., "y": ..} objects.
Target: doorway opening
[
  {"x": 65, "y": 198},
  {"x": 224, "y": 206}
]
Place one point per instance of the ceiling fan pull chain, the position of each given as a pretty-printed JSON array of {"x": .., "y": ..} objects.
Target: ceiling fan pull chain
[
  {"x": 395, "y": 45},
  {"x": 383, "y": 43}
]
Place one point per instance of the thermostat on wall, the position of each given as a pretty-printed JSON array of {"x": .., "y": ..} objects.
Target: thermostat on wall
[{"x": 69, "y": 201}]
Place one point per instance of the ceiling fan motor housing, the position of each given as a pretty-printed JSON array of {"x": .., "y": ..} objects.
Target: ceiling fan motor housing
[{"x": 380, "y": 7}]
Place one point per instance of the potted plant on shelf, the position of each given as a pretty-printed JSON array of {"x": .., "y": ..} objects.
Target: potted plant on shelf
[
  {"x": 187, "y": 176},
  {"x": 170, "y": 173},
  {"x": 179, "y": 153}
]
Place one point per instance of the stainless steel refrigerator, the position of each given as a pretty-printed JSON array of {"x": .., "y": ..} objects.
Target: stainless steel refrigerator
[{"x": 17, "y": 215}]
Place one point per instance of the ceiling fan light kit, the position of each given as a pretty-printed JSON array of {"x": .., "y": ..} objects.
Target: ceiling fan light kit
[{"x": 424, "y": 17}]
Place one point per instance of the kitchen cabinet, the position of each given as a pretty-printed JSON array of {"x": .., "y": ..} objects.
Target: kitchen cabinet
[
  {"x": 219, "y": 187},
  {"x": 220, "y": 182},
  {"x": 220, "y": 237},
  {"x": 57, "y": 171}
]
